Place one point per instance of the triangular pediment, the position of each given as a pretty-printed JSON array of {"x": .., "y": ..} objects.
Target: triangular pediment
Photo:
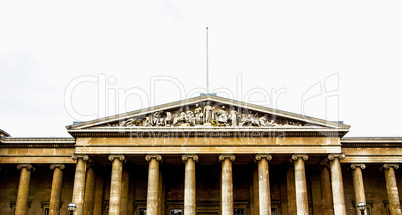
[{"x": 208, "y": 112}]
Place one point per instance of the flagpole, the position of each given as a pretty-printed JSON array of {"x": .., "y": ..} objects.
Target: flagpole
[{"x": 207, "y": 64}]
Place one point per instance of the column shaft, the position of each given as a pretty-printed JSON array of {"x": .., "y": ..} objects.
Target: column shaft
[
  {"x": 291, "y": 192},
  {"x": 263, "y": 184},
  {"x": 98, "y": 199},
  {"x": 358, "y": 185},
  {"x": 326, "y": 191},
  {"x": 301, "y": 187},
  {"x": 23, "y": 189},
  {"x": 153, "y": 186},
  {"x": 89, "y": 191},
  {"x": 79, "y": 183},
  {"x": 392, "y": 189},
  {"x": 338, "y": 197},
  {"x": 55, "y": 194},
  {"x": 124, "y": 192},
  {"x": 256, "y": 194},
  {"x": 115, "y": 184},
  {"x": 189, "y": 187},
  {"x": 227, "y": 184}
]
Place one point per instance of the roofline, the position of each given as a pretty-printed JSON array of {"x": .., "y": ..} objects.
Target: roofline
[
  {"x": 371, "y": 140},
  {"x": 198, "y": 99},
  {"x": 38, "y": 140},
  {"x": 5, "y": 133}
]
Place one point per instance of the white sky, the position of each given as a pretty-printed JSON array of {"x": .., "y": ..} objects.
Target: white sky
[{"x": 335, "y": 60}]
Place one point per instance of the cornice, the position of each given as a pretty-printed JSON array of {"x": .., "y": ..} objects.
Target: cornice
[
  {"x": 371, "y": 142},
  {"x": 208, "y": 132}
]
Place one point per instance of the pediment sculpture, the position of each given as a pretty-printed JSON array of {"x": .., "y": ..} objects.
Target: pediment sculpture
[{"x": 205, "y": 114}]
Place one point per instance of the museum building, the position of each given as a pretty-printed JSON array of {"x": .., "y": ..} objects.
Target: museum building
[{"x": 206, "y": 155}]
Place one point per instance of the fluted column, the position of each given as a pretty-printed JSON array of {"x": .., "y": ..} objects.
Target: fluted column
[
  {"x": 79, "y": 182},
  {"x": 263, "y": 183},
  {"x": 23, "y": 188},
  {"x": 358, "y": 185},
  {"x": 300, "y": 183},
  {"x": 153, "y": 183},
  {"x": 89, "y": 190},
  {"x": 189, "y": 184},
  {"x": 338, "y": 197},
  {"x": 392, "y": 188},
  {"x": 115, "y": 183},
  {"x": 227, "y": 184},
  {"x": 55, "y": 194},
  {"x": 326, "y": 191}
]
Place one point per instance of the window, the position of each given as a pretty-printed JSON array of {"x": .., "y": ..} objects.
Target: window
[
  {"x": 45, "y": 207},
  {"x": 238, "y": 211},
  {"x": 176, "y": 211},
  {"x": 142, "y": 211}
]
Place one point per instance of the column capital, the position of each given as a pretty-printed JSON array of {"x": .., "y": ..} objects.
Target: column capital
[
  {"x": 120, "y": 157},
  {"x": 60, "y": 166},
  {"x": 333, "y": 156},
  {"x": 25, "y": 165},
  {"x": 75, "y": 157},
  {"x": 156, "y": 157},
  {"x": 224, "y": 156},
  {"x": 358, "y": 165},
  {"x": 297, "y": 156},
  {"x": 185, "y": 157},
  {"x": 258, "y": 157},
  {"x": 389, "y": 165}
]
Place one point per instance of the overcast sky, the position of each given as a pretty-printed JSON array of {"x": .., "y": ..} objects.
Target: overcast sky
[{"x": 77, "y": 60}]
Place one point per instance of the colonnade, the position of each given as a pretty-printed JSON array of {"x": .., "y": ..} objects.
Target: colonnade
[{"x": 84, "y": 185}]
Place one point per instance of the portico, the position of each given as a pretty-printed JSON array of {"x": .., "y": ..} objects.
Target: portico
[{"x": 171, "y": 159}]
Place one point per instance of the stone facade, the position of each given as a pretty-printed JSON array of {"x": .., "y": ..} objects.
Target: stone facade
[{"x": 291, "y": 165}]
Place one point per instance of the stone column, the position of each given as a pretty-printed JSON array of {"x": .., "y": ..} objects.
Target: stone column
[
  {"x": 89, "y": 191},
  {"x": 23, "y": 189},
  {"x": 55, "y": 194},
  {"x": 153, "y": 183},
  {"x": 189, "y": 184},
  {"x": 338, "y": 197},
  {"x": 326, "y": 191},
  {"x": 79, "y": 182},
  {"x": 263, "y": 183},
  {"x": 124, "y": 192},
  {"x": 115, "y": 184},
  {"x": 98, "y": 199},
  {"x": 227, "y": 184},
  {"x": 300, "y": 183},
  {"x": 358, "y": 185},
  {"x": 392, "y": 188},
  {"x": 291, "y": 192}
]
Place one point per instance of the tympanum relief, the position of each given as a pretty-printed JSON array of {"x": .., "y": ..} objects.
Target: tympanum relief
[{"x": 205, "y": 114}]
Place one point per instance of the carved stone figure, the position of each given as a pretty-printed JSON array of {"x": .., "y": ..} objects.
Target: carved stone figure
[
  {"x": 180, "y": 117},
  {"x": 254, "y": 119},
  {"x": 222, "y": 116},
  {"x": 156, "y": 121},
  {"x": 147, "y": 121},
  {"x": 198, "y": 114},
  {"x": 244, "y": 119},
  {"x": 263, "y": 121},
  {"x": 168, "y": 119},
  {"x": 208, "y": 112},
  {"x": 190, "y": 118},
  {"x": 233, "y": 116}
]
